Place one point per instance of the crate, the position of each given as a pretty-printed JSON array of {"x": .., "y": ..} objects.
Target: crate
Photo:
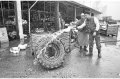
[{"x": 112, "y": 30}]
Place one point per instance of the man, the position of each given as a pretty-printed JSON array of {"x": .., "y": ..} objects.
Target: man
[
  {"x": 93, "y": 26},
  {"x": 82, "y": 36},
  {"x": 61, "y": 21}
]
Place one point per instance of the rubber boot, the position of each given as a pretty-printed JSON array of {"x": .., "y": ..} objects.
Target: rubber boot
[
  {"x": 85, "y": 49},
  {"x": 90, "y": 52},
  {"x": 99, "y": 53},
  {"x": 80, "y": 49}
]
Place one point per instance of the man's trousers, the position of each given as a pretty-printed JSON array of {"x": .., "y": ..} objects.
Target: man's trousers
[{"x": 97, "y": 41}]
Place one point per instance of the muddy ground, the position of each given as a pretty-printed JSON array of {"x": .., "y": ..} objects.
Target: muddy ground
[{"x": 76, "y": 65}]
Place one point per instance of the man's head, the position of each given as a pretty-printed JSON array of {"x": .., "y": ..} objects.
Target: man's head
[
  {"x": 92, "y": 14},
  {"x": 87, "y": 15},
  {"x": 82, "y": 15}
]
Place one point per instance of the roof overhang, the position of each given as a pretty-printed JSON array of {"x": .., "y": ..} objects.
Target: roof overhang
[{"x": 77, "y": 5}]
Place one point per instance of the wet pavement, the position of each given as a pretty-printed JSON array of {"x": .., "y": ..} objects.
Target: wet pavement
[{"x": 76, "y": 64}]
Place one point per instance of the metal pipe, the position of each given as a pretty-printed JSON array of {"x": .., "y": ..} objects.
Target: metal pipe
[{"x": 29, "y": 14}]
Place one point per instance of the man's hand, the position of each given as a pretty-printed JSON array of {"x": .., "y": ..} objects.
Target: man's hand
[
  {"x": 74, "y": 29},
  {"x": 94, "y": 34},
  {"x": 79, "y": 27},
  {"x": 83, "y": 25}
]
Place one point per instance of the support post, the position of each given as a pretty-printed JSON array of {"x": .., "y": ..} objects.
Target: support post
[
  {"x": 57, "y": 23},
  {"x": 19, "y": 20},
  {"x": 29, "y": 16},
  {"x": 74, "y": 13}
]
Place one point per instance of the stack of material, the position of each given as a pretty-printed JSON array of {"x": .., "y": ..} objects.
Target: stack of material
[{"x": 4, "y": 42}]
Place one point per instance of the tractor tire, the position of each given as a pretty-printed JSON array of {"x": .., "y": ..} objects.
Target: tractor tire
[{"x": 53, "y": 56}]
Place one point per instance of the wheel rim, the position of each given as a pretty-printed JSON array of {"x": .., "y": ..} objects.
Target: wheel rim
[{"x": 52, "y": 52}]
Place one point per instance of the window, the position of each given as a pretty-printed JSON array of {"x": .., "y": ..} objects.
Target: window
[
  {"x": 31, "y": 3},
  {"x": 5, "y": 5},
  {"x": 0, "y": 4},
  {"x": 41, "y": 5},
  {"x": 42, "y": 15},
  {"x": 52, "y": 6},
  {"x": 11, "y": 4},
  {"x": 25, "y": 15},
  {"x": 47, "y": 6},
  {"x": 11, "y": 13},
  {"x": 1, "y": 18},
  {"x": 24, "y": 5}
]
